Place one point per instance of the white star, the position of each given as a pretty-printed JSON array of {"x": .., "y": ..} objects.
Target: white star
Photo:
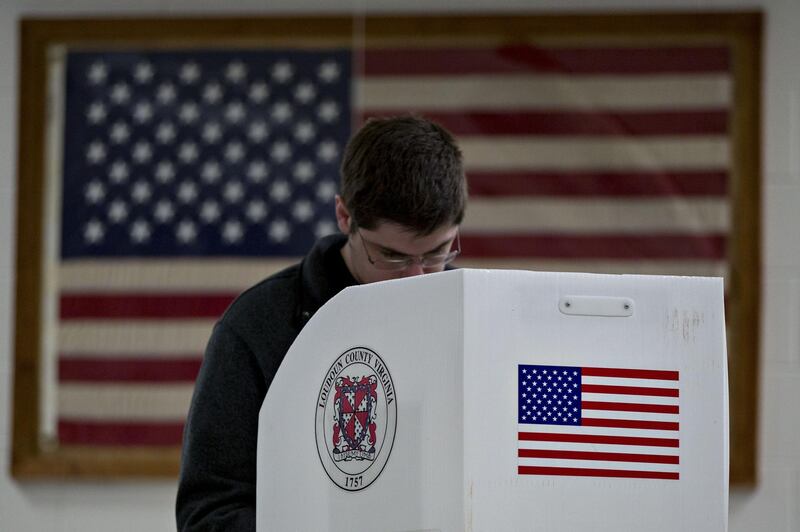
[
  {"x": 212, "y": 93},
  {"x": 141, "y": 191},
  {"x": 304, "y": 131},
  {"x": 211, "y": 172},
  {"x": 256, "y": 211},
  {"x": 329, "y": 71},
  {"x": 93, "y": 232},
  {"x": 142, "y": 112},
  {"x": 186, "y": 232},
  {"x": 118, "y": 172},
  {"x": 234, "y": 151},
  {"x": 96, "y": 113},
  {"x": 327, "y": 151},
  {"x": 94, "y": 192},
  {"x": 258, "y": 92},
  {"x": 304, "y": 92},
  {"x": 165, "y": 132},
  {"x": 119, "y": 132},
  {"x": 189, "y": 113},
  {"x": 279, "y": 231},
  {"x": 326, "y": 191},
  {"x": 140, "y": 231},
  {"x": 281, "y": 151},
  {"x": 165, "y": 172},
  {"x": 143, "y": 72},
  {"x": 280, "y": 191},
  {"x": 190, "y": 73},
  {"x": 232, "y": 231},
  {"x": 257, "y": 131},
  {"x": 303, "y": 211},
  {"x": 187, "y": 192},
  {"x": 209, "y": 211},
  {"x": 324, "y": 228},
  {"x": 328, "y": 111},
  {"x": 117, "y": 211},
  {"x": 234, "y": 112},
  {"x": 236, "y": 72},
  {"x": 257, "y": 171},
  {"x": 98, "y": 72},
  {"x": 164, "y": 211},
  {"x": 142, "y": 152},
  {"x": 303, "y": 171},
  {"x": 233, "y": 192},
  {"x": 120, "y": 93},
  {"x": 212, "y": 132},
  {"x": 188, "y": 152},
  {"x": 281, "y": 111},
  {"x": 166, "y": 93},
  {"x": 282, "y": 72},
  {"x": 96, "y": 152}
]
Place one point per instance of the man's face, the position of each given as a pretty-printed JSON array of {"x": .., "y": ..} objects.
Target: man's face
[{"x": 370, "y": 251}]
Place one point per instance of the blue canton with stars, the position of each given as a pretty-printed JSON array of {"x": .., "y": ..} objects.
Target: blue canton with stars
[
  {"x": 202, "y": 153},
  {"x": 549, "y": 395}
]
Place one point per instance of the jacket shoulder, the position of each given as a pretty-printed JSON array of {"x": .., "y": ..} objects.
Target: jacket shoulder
[{"x": 278, "y": 293}]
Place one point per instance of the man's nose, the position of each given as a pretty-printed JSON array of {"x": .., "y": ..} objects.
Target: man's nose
[{"x": 414, "y": 269}]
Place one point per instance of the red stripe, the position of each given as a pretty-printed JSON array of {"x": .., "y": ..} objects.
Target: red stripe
[
  {"x": 609, "y": 457},
  {"x": 630, "y": 390},
  {"x": 575, "y": 472},
  {"x": 137, "y": 306},
  {"x": 631, "y": 373},
  {"x": 145, "y": 369},
  {"x": 555, "y": 123},
  {"x": 590, "y": 438},
  {"x": 593, "y": 184},
  {"x": 532, "y": 59},
  {"x": 600, "y": 246},
  {"x": 629, "y": 424},
  {"x": 119, "y": 433},
  {"x": 629, "y": 407}
]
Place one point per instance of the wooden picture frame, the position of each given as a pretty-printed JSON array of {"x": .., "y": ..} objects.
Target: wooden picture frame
[{"x": 35, "y": 458}]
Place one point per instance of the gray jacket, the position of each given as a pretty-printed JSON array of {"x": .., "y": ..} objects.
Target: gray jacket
[{"x": 217, "y": 484}]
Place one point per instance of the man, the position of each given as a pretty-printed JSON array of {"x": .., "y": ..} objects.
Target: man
[{"x": 403, "y": 195}]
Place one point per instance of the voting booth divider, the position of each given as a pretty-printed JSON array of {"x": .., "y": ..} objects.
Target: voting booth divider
[{"x": 496, "y": 400}]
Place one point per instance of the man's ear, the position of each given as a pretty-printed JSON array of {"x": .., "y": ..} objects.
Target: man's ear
[{"x": 343, "y": 218}]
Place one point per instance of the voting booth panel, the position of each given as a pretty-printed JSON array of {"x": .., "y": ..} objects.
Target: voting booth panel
[{"x": 502, "y": 400}]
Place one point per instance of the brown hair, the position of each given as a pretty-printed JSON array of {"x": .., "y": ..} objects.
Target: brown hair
[{"x": 404, "y": 170}]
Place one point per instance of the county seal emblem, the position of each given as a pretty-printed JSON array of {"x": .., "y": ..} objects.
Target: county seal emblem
[{"x": 356, "y": 418}]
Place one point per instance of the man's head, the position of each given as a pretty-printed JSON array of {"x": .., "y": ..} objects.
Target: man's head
[{"x": 403, "y": 193}]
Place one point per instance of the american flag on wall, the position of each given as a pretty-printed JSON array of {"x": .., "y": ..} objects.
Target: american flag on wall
[
  {"x": 190, "y": 175},
  {"x": 598, "y": 422}
]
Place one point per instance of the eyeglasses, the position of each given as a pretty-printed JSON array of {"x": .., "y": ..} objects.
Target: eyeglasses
[{"x": 433, "y": 260}]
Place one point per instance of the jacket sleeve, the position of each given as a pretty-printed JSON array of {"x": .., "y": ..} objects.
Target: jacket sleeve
[{"x": 217, "y": 484}]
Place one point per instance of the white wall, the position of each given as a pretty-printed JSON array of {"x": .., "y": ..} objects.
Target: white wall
[{"x": 773, "y": 506}]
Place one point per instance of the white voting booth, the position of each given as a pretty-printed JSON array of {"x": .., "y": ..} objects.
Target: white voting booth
[{"x": 502, "y": 400}]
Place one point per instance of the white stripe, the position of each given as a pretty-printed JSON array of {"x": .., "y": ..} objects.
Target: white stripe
[
  {"x": 599, "y": 431},
  {"x": 124, "y": 402},
  {"x": 514, "y": 92},
  {"x": 196, "y": 275},
  {"x": 594, "y": 464},
  {"x": 642, "y": 416},
  {"x": 639, "y": 383},
  {"x": 667, "y": 267},
  {"x": 125, "y": 338},
  {"x": 626, "y": 216},
  {"x": 621, "y": 398},
  {"x": 581, "y": 153},
  {"x": 600, "y": 448}
]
